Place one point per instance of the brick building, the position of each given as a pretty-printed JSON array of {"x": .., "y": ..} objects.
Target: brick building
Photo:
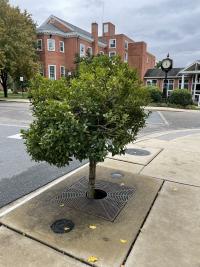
[
  {"x": 59, "y": 41},
  {"x": 188, "y": 78}
]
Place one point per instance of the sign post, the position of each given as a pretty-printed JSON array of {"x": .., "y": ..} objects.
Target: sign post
[{"x": 21, "y": 80}]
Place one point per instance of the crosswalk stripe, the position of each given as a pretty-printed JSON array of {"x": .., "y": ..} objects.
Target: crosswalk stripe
[{"x": 15, "y": 136}]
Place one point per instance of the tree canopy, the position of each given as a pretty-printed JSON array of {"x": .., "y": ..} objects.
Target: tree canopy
[
  {"x": 17, "y": 44},
  {"x": 98, "y": 112}
]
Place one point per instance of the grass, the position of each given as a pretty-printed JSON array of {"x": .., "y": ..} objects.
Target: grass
[{"x": 14, "y": 95}]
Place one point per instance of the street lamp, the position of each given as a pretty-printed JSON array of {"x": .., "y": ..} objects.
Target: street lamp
[{"x": 166, "y": 66}]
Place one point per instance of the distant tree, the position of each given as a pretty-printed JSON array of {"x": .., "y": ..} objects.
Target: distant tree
[
  {"x": 99, "y": 111},
  {"x": 17, "y": 44},
  {"x": 158, "y": 64}
]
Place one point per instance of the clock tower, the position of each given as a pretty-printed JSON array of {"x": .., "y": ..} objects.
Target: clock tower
[{"x": 166, "y": 66}]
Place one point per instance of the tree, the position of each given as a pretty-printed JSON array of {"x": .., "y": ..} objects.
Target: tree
[
  {"x": 99, "y": 111},
  {"x": 17, "y": 44},
  {"x": 158, "y": 64}
]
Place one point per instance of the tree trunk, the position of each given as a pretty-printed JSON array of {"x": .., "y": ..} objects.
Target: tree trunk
[
  {"x": 4, "y": 78},
  {"x": 92, "y": 177},
  {"x": 5, "y": 90}
]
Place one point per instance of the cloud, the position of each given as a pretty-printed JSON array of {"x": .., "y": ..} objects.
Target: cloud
[{"x": 166, "y": 25}]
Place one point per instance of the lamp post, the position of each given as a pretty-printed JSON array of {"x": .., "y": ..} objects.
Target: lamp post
[{"x": 166, "y": 66}]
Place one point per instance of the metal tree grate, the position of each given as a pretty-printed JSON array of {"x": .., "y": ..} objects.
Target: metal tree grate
[
  {"x": 137, "y": 152},
  {"x": 107, "y": 208}
]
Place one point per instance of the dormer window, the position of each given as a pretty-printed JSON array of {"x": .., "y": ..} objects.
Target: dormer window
[
  {"x": 51, "y": 44},
  {"x": 112, "y": 43}
]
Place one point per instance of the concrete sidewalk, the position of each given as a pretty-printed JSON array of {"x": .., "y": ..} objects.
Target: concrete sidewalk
[{"x": 168, "y": 235}]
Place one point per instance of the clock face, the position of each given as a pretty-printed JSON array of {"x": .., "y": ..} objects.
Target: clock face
[{"x": 166, "y": 64}]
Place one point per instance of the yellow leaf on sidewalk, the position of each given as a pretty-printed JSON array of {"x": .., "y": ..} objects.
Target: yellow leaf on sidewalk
[
  {"x": 62, "y": 205},
  {"x": 123, "y": 241},
  {"x": 92, "y": 227},
  {"x": 92, "y": 259}
]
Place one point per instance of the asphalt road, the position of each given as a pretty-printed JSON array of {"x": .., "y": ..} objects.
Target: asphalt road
[{"x": 20, "y": 176}]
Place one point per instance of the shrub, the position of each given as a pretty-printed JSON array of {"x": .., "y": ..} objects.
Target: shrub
[
  {"x": 181, "y": 97},
  {"x": 155, "y": 94}
]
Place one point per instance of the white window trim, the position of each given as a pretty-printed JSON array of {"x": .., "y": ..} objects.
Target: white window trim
[
  {"x": 90, "y": 48},
  {"x": 82, "y": 54},
  {"x": 111, "y": 53},
  {"x": 110, "y": 43},
  {"x": 62, "y": 42},
  {"x": 151, "y": 82},
  {"x": 126, "y": 57},
  {"x": 41, "y": 45},
  {"x": 168, "y": 84},
  {"x": 49, "y": 71},
  {"x": 126, "y": 44},
  {"x": 61, "y": 72},
  {"x": 48, "y": 40}
]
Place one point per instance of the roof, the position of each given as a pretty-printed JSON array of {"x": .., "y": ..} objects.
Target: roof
[
  {"x": 74, "y": 28},
  {"x": 159, "y": 73},
  {"x": 47, "y": 27}
]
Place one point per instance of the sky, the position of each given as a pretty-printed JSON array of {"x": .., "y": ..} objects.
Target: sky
[{"x": 167, "y": 26}]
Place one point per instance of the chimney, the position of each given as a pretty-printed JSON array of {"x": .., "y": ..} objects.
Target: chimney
[
  {"x": 108, "y": 29},
  {"x": 95, "y": 37}
]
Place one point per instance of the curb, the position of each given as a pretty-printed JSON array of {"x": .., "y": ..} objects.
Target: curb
[
  {"x": 15, "y": 100},
  {"x": 170, "y": 109}
]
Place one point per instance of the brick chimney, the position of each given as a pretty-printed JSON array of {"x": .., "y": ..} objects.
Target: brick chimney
[
  {"x": 108, "y": 29},
  {"x": 94, "y": 29}
]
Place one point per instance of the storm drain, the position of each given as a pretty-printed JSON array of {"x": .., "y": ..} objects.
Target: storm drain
[
  {"x": 62, "y": 226},
  {"x": 137, "y": 152},
  {"x": 107, "y": 208}
]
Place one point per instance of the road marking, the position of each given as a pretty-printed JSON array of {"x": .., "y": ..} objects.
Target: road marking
[
  {"x": 13, "y": 125},
  {"x": 15, "y": 136},
  {"x": 163, "y": 118},
  {"x": 6, "y": 209}
]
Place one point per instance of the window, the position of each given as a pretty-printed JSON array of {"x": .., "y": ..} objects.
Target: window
[
  {"x": 89, "y": 50},
  {"x": 39, "y": 44},
  {"x": 62, "y": 71},
  {"x": 41, "y": 69},
  {"x": 52, "y": 72},
  {"x": 151, "y": 82},
  {"x": 112, "y": 54},
  {"x": 105, "y": 28},
  {"x": 62, "y": 46},
  {"x": 82, "y": 50},
  {"x": 186, "y": 84},
  {"x": 169, "y": 85},
  {"x": 126, "y": 57},
  {"x": 112, "y": 43},
  {"x": 126, "y": 45},
  {"x": 51, "y": 44}
]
